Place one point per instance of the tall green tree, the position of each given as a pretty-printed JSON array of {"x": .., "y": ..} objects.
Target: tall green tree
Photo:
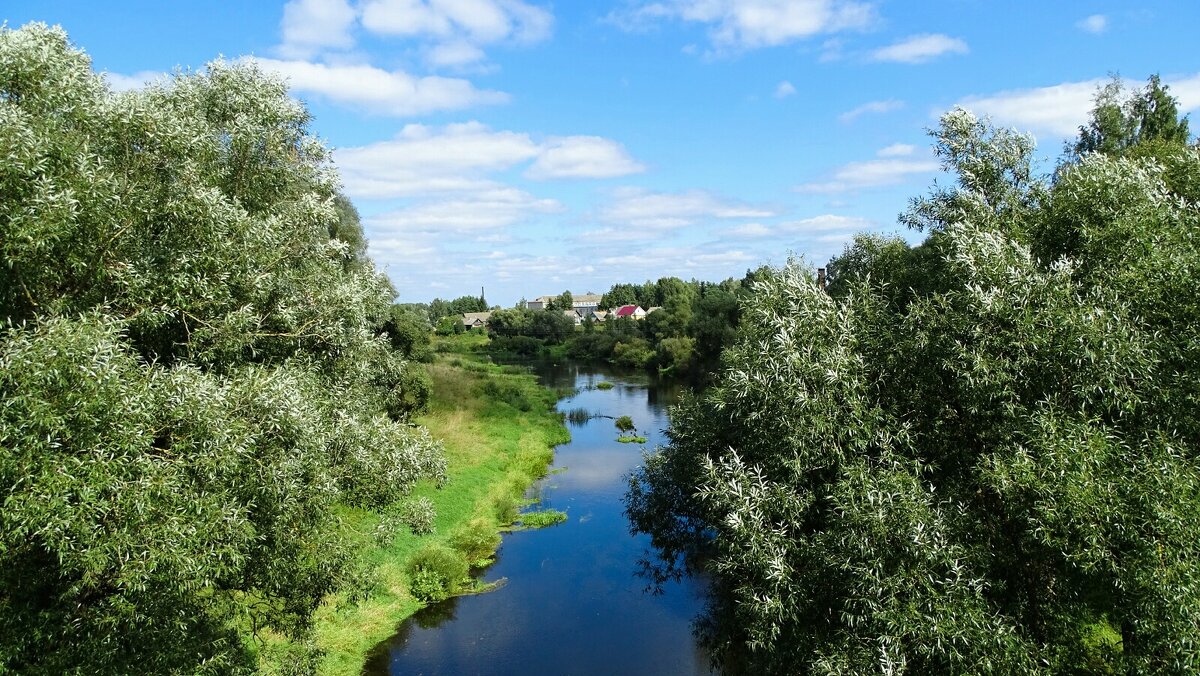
[
  {"x": 997, "y": 471},
  {"x": 1118, "y": 122},
  {"x": 193, "y": 379}
]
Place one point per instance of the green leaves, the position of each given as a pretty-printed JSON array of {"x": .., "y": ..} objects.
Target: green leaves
[
  {"x": 978, "y": 455},
  {"x": 193, "y": 374}
]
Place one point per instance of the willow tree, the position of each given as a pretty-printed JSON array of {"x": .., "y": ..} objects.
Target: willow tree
[
  {"x": 995, "y": 469},
  {"x": 192, "y": 376}
]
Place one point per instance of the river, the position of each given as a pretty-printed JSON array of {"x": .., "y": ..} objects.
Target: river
[{"x": 573, "y": 602}]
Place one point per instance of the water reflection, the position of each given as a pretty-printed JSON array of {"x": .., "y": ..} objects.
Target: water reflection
[{"x": 573, "y": 603}]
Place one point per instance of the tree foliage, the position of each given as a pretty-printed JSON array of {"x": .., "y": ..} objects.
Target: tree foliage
[
  {"x": 1118, "y": 123},
  {"x": 193, "y": 368},
  {"x": 993, "y": 469}
]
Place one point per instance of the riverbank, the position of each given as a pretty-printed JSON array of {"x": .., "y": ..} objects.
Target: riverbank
[{"x": 499, "y": 430}]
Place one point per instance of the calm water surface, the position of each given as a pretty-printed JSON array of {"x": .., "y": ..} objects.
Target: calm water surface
[{"x": 573, "y": 603}]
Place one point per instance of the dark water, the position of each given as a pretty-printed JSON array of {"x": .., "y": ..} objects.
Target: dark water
[{"x": 573, "y": 603}]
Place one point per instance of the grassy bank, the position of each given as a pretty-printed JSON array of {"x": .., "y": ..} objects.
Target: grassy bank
[{"x": 499, "y": 430}]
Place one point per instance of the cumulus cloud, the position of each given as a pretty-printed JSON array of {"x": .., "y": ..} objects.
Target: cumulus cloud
[
  {"x": 583, "y": 157},
  {"x": 423, "y": 159},
  {"x": 1094, "y": 24},
  {"x": 750, "y": 24},
  {"x": 873, "y": 107},
  {"x": 312, "y": 25},
  {"x": 379, "y": 91},
  {"x": 644, "y": 209},
  {"x": 870, "y": 174},
  {"x": 1060, "y": 109},
  {"x": 897, "y": 150},
  {"x": 455, "y": 54},
  {"x": 456, "y": 30},
  {"x": 825, "y": 223},
  {"x": 784, "y": 90},
  {"x": 1057, "y": 109},
  {"x": 485, "y": 209},
  {"x": 814, "y": 227},
  {"x": 920, "y": 49},
  {"x": 750, "y": 231}
]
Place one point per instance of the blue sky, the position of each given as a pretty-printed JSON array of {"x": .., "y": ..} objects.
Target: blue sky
[{"x": 530, "y": 147}]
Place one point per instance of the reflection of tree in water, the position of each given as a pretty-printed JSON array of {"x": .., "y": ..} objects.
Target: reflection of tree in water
[{"x": 435, "y": 615}]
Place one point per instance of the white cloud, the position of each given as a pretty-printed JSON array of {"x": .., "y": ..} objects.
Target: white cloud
[
  {"x": 897, "y": 150},
  {"x": 749, "y": 24},
  {"x": 870, "y": 174},
  {"x": 1186, "y": 91},
  {"x": 489, "y": 208},
  {"x": 311, "y": 25},
  {"x": 454, "y": 54},
  {"x": 642, "y": 209},
  {"x": 826, "y": 223},
  {"x": 723, "y": 258},
  {"x": 784, "y": 90},
  {"x": 423, "y": 159},
  {"x": 1060, "y": 109},
  {"x": 816, "y": 226},
  {"x": 885, "y": 106},
  {"x": 750, "y": 231},
  {"x": 380, "y": 91},
  {"x": 480, "y": 22},
  {"x": 583, "y": 157},
  {"x": 920, "y": 49},
  {"x": 123, "y": 83},
  {"x": 1094, "y": 24}
]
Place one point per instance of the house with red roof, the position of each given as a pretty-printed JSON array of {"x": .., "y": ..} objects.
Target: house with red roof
[{"x": 634, "y": 311}]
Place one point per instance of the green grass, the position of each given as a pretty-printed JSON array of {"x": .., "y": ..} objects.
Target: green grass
[
  {"x": 631, "y": 439},
  {"x": 499, "y": 430},
  {"x": 604, "y": 385},
  {"x": 542, "y": 518}
]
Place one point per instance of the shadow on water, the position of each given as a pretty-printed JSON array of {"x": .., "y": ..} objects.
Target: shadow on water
[{"x": 574, "y": 602}]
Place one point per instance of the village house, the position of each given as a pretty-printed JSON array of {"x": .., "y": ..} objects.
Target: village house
[
  {"x": 632, "y": 311},
  {"x": 476, "y": 320}
]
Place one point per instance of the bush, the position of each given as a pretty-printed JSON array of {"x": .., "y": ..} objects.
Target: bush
[
  {"x": 522, "y": 346},
  {"x": 476, "y": 540},
  {"x": 436, "y": 573},
  {"x": 504, "y": 507},
  {"x": 510, "y": 392},
  {"x": 633, "y": 353},
  {"x": 418, "y": 515}
]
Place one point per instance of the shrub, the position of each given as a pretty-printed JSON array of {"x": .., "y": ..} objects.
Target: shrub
[
  {"x": 436, "y": 572},
  {"x": 418, "y": 515},
  {"x": 476, "y": 540}
]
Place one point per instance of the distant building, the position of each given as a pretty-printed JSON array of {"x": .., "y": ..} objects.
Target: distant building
[
  {"x": 584, "y": 302},
  {"x": 538, "y": 303},
  {"x": 574, "y": 316},
  {"x": 476, "y": 320},
  {"x": 599, "y": 315},
  {"x": 633, "y": 311},
  {"x": 653, "y": 308}
]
